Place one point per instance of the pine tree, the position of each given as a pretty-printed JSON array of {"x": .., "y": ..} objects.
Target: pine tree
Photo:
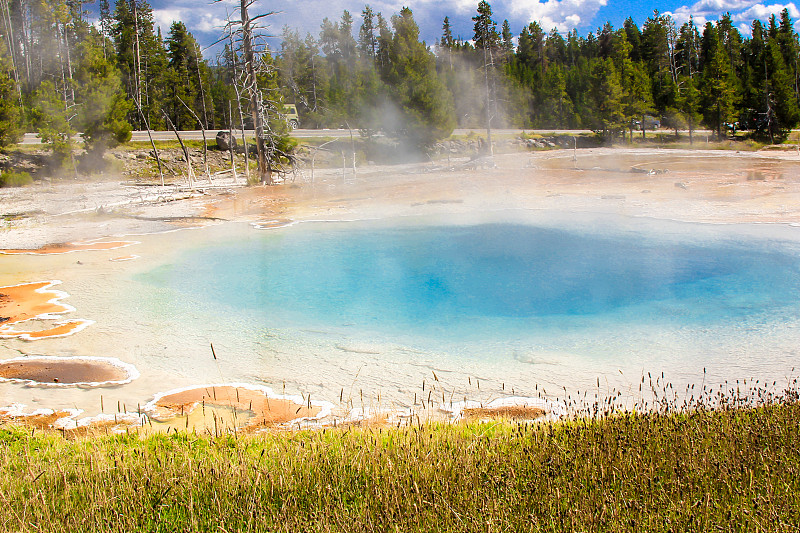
[
  {"x": 446, "y": 44},
  {"x": 384, "y": 43},
  {"x": 347, "y": 44},
  {"x": 607, "y": 91},
  {"x": 556, "y": 105},
  {"x": 507, "y": 45},
  {"x": 637, "y": 98},
  {"x": 298, "y": 71},
  {"x": 531, "y": 49},
  {"x": 141, "y": 59},
  {"x": 658, "y": 48},
  {"x": 781, "y": 111},
  {"x": 447, "y": 34},
  {"x": 426, "y": 107},
  {"x": 689, "y": 102},
  {"x": 51, "y": 116},
  {"x": 486, "y": 36},
  {"x": 188, "y": 77},
  {"x": 719, "y": 82},
  {"x": 634, "y": 36},
  {"x": 339, "y": 47},
  {"x": 367, "y": 41},
  {"x": 487, "y": 40},
  {"x": 687, "y": 50},
  {"x": 10, "y": 131},
  {"x": 556, "y": 48},
  {"x": 790, "y": 49},
  {"x": 106, "y": 24},
  {"x": 103, "y": 106},
  {"x": 754, "y": 77}
]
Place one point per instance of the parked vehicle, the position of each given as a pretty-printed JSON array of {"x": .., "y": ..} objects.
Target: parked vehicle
[
  {"x": 650, "y": 123},
  {"x": 292, "y": 118}
]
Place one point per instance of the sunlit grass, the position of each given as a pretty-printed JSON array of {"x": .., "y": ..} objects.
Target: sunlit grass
[
  {"x": 191, "y": 144},
  {"x": 679, "y": 466},
  {"x": 12, "y": 178}
]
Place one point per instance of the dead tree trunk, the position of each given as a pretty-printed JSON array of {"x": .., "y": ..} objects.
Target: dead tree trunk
[
  {"x": 244, "y": 140},
  {"x": 189, "y": 169},
  {"x": 488, "y": 63},
  {"x": 205, "y": 142},
  {"x": 233, "y": 140},
  {"x": 234, "y": 78},
  {"x": 137, "y": 52},
  {"x": 197, "y": 56},
  {"x": 12, "y": 46},
  {"x": 152, "y": 142},
  {"x": 264, "y": 172}
]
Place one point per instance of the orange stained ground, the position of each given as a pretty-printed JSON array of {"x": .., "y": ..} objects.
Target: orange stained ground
[
  {"x": 62, "y": 330},
  {"x": 28, "y": 301},
  {"x": 38, "y": 421},
  {"x": 265, "y": 411},
  {"x": 124, "y": 258},
  {"x": 62, "y": 371},
  {"x": 71, "y": 247}
]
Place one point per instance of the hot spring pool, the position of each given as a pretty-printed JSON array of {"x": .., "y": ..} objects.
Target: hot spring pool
[
  {"x": 484, "y": 305},
  {"x": 482, "y": 280},
  {"x": 377, "y": 305}
]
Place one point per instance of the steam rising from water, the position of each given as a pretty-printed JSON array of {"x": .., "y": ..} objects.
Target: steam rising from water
[
  {"x": 724, "y": 302},
  {"x": 380, "y": 304}
]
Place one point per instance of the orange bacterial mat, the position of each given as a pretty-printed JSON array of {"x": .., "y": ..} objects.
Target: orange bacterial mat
[{"x": 35, "y": 301}]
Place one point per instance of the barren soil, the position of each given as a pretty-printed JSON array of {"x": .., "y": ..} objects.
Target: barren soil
[{"x": 699, "y": 186}]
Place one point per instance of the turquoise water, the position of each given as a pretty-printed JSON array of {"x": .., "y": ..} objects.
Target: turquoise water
[
  {"x": 523, "y": 301},
  {"x": 475, "y": 281}
]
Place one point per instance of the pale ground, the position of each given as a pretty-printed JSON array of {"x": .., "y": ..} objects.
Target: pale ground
[
  {"x": 718, "y": 187},
  {"x": 697, "y": 186}
]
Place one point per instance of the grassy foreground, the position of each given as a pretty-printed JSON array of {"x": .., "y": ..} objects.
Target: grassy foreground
[{"x": 726, "y": 470}]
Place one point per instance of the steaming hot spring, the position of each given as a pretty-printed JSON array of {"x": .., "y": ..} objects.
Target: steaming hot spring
[{"x": 414, "y": 292}]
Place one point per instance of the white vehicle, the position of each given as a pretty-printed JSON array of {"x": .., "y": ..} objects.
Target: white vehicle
[{"x": 292, "y": 118}]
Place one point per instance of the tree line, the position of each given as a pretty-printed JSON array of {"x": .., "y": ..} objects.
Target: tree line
[
  {"x": 609, "y": 81},
  {"x": 60, "y": 74}
]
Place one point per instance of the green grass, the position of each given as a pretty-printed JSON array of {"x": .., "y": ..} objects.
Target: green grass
[
  {"x": 729, "y": 469},
  {"x": 15, "y": 179},
  {"x": 171, "y": 144}
]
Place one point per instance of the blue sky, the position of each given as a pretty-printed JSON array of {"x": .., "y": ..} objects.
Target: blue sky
[{"x": 204, "y": 18}]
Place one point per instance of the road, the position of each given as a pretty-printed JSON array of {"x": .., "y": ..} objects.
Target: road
[
  {"x": 197, "y": 135},
  {"x": 335, "y": 133}
]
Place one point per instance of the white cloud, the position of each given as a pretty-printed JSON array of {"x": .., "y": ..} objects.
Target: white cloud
[
  {"x": 742, "y": 11},
  {"x": 209, "y": 22},
  {"x": 681, "y": 16},
  {"x": 720, "y": 6},
  {"x": 165, "y": 17},
  {"x": 464, "y": 6},
  {"x": 561, "y": 14},
  {"x": 204, "y": 21},
  {"x": 705, "y": 10},
  {"x": 763, "y": 12}
]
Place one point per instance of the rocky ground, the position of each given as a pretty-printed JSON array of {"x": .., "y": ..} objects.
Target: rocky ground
[
  {"x": 128, "y": 198},
  {"x": 632, "y": 185}
]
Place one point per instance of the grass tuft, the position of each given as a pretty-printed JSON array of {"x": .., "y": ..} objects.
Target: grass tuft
[
  {"x": 733, "y": 467},
  {"x": 15, "y": 179}
]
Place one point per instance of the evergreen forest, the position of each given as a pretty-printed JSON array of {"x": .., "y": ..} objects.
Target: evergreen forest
[{"x": 64, "y": 70}]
